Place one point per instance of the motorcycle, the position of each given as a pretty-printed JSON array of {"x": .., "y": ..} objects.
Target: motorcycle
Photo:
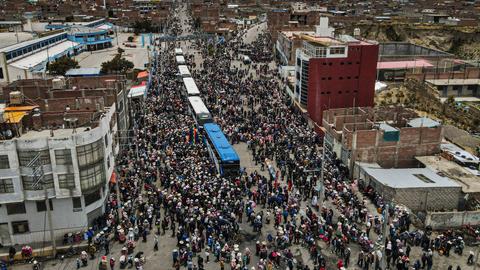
[
  {"x": 123, "y": 261},
  {"x": 84, "y": 258},
  {"x": 36, "y": 265}
]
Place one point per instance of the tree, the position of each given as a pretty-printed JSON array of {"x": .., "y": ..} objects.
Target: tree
[
  {"x": 130, "y": 39},
  {"x": 120, "y": 51},
  {"x": 62, "y": 65},
  {"x": 117, "y": 65}
]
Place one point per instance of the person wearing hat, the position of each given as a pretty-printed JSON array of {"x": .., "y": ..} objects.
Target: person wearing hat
[{"x": 112, "y": 263}]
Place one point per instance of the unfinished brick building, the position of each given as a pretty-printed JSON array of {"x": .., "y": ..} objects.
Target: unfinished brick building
[
  {"x": 390, "y": 137},
  {"x": 80, "y": 98}
]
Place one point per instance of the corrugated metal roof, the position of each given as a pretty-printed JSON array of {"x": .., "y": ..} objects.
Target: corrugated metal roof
[
  {"x": 28, "y": 42},
  {"x": 41, "y": 56},
  {"x": 409, "y": 178},
  {"x": 423, "y": 122},
  {"x": 83, "y": 71}
]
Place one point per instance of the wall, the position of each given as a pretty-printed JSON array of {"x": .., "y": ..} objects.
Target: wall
[
  {"x": 342, "y": 82},
  {"x": 64, "y": 219},
  {"x": 416, "y": 199},
  {"x": 447, "y": 220},
  {"x": 370, "y": 147}
]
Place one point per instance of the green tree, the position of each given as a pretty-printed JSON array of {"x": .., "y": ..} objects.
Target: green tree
[
  {"x": 117, "y": 65},
  {"x": 120, "y": 51},
  {"x": 130, "y": 39},
  {"x": 62, "y": 65}
]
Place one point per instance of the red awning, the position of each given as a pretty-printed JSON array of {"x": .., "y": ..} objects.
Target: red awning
[{"x": 142, "y": 74}]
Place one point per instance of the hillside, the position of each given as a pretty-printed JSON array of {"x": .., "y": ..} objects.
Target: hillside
[{"x": 462, "y": 41}]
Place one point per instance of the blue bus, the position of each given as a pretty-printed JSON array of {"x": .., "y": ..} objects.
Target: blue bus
[{"x": 222, "y": 153}]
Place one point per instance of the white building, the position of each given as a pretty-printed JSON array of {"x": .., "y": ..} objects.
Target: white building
[
  {"x": 77, "y": 165},
  {"x": 28, "y": 59}
]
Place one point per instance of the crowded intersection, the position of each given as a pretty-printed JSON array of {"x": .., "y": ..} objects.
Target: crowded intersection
[{"x": 291, "y": 204}]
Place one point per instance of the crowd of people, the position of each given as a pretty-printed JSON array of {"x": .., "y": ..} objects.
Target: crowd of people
[{"x": 168, "y": 185}]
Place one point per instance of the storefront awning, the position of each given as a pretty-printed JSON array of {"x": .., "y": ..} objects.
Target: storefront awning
[
  {"x": 137, "y": 91},
  {"x": 142, "y": 74}
]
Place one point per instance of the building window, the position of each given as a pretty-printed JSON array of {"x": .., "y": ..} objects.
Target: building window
[
  {"x": 29, "y": 182},
  {"x": 16, "y": 208},
  {"x": 92, "y": 176},
  {"x": 337, "y": 50},
  {"x": 19, "y": 227},
  {"x": 77, "y": 203},
  {"x": 1, "y": 72},
  {"x": 41, "y": 206},
  {"x": 92, "y": 197},
  {"x": 25, "y": 156},
  {"x": 90, "y": 153},
  {"x": 66, "y": 181},
  {"x": 6, "y": 186},
  {"x": 106, "y": 140},
  {"x": 4, "y": 164},
  {"x": 63, "y": 157}
]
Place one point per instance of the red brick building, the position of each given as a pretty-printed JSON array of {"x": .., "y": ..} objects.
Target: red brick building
[
  {"x": 390, "y": 137},
  {"x": 335, "y": 73}
]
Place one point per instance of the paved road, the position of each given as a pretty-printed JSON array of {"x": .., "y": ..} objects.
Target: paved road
[
  {"x": 162, "y": 259},
  {"x": 138, "y": 56}
]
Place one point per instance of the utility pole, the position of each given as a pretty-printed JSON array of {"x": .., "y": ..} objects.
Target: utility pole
[
  {"x": 322, "y": 175},
  {"x": 476, "y": 258},
  {"x": 38, "y": 182},
  {"x": 385, "y": 233}
]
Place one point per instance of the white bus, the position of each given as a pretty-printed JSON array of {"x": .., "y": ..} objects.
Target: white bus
[
  {"x": 190, "y": 87},
  {"x": 180, "y": 60},
  {"x": 178, "y": 51},
  {"x": 183, "y": 71},
  {"x": 199, "y": 111}
]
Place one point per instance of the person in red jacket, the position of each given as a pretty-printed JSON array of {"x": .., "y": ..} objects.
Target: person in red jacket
[{"x": 339, "y": 264}]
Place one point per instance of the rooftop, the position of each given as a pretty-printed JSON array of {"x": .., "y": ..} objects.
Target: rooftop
[
  {"x": 83, "y": 72},
  {"x": 323, "y": 41},
  {"x": 41, "y": 56},
  {"x": 439, "y": 82},
  {"x": 409, "y": 178},
  {"x": 423, "y": 122},
  {"x": 467, "y": 179},
  {"x": 403, "y": 64},
  {"x": 76, "y": 29},
  {"x": 28, "y": 42}
]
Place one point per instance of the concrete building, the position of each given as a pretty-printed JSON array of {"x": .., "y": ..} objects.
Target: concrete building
[
  {"x": 419, "y": 189},
  {"x": 287, "y": 44},
  {"x": 390, "y": 137},
  {"x": 74, "y": 127},
  {"x": 292, "y": 18},
  {"x": 334, "y": 73},
  {"x": 92, "y": 39},
  {"x": 456, "y": 87},
  {"x": 27, "y": 60}
]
